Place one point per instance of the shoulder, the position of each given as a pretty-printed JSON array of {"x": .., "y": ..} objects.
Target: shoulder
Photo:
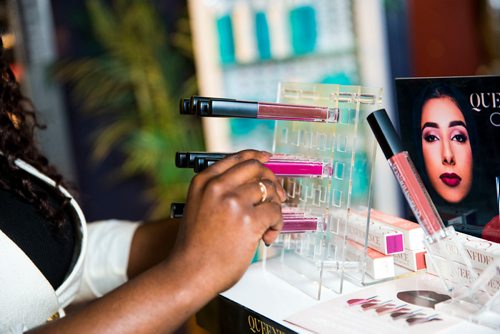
[
  {"x": 69, "y": 287},
  {"x": 47, "y": 180}
]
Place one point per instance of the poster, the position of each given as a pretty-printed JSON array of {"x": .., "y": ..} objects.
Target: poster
[{"x": 451, "y": 129}]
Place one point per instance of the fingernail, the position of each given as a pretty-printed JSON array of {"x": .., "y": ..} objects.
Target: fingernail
[{"x": 267, "y": 245}]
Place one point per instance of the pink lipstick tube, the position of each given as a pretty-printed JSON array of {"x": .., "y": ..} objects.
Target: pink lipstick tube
[
  {"x": 299, "y": 168},
  {"x": 281, "y": 165},
  {"x": 295, "y": 221},
  {"x": 300, "y": 224},
  {"x": 220, "y": 107},
  {"x": 407, "y": 176}
]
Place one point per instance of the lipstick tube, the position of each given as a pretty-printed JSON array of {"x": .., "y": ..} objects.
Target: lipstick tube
[
  {"x": 281, "y": 168},
  {"x": 292, "y": 222},
  {"x": 279, "y": 164},
  {"x": 300, "y": 224},
  {"x": 407, "y": 176},
  {"x": 221, "y": 107}
]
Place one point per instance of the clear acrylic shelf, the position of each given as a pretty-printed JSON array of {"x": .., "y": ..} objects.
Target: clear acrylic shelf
[{"x": 324, "y": 257}]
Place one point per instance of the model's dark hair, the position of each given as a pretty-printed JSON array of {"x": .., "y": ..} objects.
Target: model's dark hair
[{"x": 18, "y": 123}]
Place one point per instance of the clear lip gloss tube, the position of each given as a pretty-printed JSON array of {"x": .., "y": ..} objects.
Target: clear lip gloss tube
[
  {"x": 299, "y": 224},
  {"x": 296, "y": 168},
  {"x": 292, "y": 222},
  {"x": 299, "y": 168},
  {"x": 220, "y": 107},
  {"x": 407, "y": 176}
]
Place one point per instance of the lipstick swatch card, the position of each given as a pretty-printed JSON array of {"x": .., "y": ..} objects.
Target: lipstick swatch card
[
  {"x": 399, "y": 306},
  {"x": 451, "y": 129}
]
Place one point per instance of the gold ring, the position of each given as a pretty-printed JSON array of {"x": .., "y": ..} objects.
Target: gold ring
[{"x": 263, "y": 191}]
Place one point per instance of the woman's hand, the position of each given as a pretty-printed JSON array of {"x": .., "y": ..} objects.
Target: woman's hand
[{"x": 231, "y": 206}]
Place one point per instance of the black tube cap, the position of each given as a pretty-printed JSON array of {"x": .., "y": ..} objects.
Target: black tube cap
[
  {"x": 181, "y": 160},
  {"x": 199, "y": 165},
  {"x": 185, "y": 107},
  {"x": 194, "y": 105},
  {"x": 384, "y": 131},
  {"x": 176, "y": 210}
]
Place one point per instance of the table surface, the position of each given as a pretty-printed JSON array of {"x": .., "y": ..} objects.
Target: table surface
[{"x": 274, "y": 298}]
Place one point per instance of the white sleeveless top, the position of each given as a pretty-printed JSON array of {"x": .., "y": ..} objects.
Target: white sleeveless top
[{"x": 27, "y": 299}]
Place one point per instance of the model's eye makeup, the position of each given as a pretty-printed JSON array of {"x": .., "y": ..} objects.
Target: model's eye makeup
[
  {"x": 459, "y": 135},
  {"x": 430, "y": 138},
  {"x": 430, "y": 135},
  {"x": 460, "y": 138}
]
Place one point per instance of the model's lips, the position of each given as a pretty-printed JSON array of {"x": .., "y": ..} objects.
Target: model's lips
[{"x": 450, "y": 179}]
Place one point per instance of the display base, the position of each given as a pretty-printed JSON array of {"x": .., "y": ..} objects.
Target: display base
[{"x": 225, "y": 316}]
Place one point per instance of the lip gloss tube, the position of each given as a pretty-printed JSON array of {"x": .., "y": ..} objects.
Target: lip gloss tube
[
  {"x": 221, "y": 107},
  {"x": 407, "y": 176},
  {"x": 299, "y": 168},
  {"x": 299, "y": 224},
  {"x": 279, "y": 164},
  {"x": 295, "y": 223},
  {"x": 281, "y": 167}
]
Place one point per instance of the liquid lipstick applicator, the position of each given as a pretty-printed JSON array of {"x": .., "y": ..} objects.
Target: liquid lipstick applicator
[
  {"x": 279, "y": 164},
  {"x": 407, "y": 176},
  {"x": 438, "y": 240},
  {"x": 222, "y": 107}
]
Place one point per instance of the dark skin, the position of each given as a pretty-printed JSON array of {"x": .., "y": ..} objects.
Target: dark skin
[
  {"x": 151, "y": 244},
  {"x": 217, "y": 238},
  {"x": 175, "y": 267}
]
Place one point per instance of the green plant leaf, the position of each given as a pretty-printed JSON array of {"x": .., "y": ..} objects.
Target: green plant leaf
[{"x": 133, "y": 89}]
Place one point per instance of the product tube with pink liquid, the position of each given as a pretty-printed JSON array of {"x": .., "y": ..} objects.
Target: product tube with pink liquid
[
  {"x": 407, "y": 176},
  {"x": 222, "y": 107},
  {"x": 282, "y": 167},
  {"x": 293, "y": 222},
  {"x": 279, "y": 164}
]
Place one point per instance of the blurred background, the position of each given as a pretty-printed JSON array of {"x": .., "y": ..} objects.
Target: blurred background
[{"x": 106, "y": 76}]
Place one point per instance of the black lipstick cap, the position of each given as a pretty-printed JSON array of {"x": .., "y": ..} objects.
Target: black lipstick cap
[
  {"x": 176, "y": 210},
  {"x": 181, "y": 160},
  {"x": 385, "y": 133},
  {"x": 185, "y": 107},
  {"x": 188, "y": 159}
]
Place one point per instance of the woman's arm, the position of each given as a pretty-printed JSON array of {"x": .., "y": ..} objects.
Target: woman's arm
[
  {"x": 152, "y": 242},
  {"x": 223, "y": 223}
]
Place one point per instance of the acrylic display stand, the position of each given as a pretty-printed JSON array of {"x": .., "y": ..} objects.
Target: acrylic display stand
[
  {"x": 475, "y": 293},
  {"x": 480, "y": 303},
  {"x": 455, "y": 258},
  {"x": 311, "y": 260}
]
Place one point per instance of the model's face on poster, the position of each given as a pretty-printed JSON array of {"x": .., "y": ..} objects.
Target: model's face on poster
[{"x": 446, "y": 149}]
